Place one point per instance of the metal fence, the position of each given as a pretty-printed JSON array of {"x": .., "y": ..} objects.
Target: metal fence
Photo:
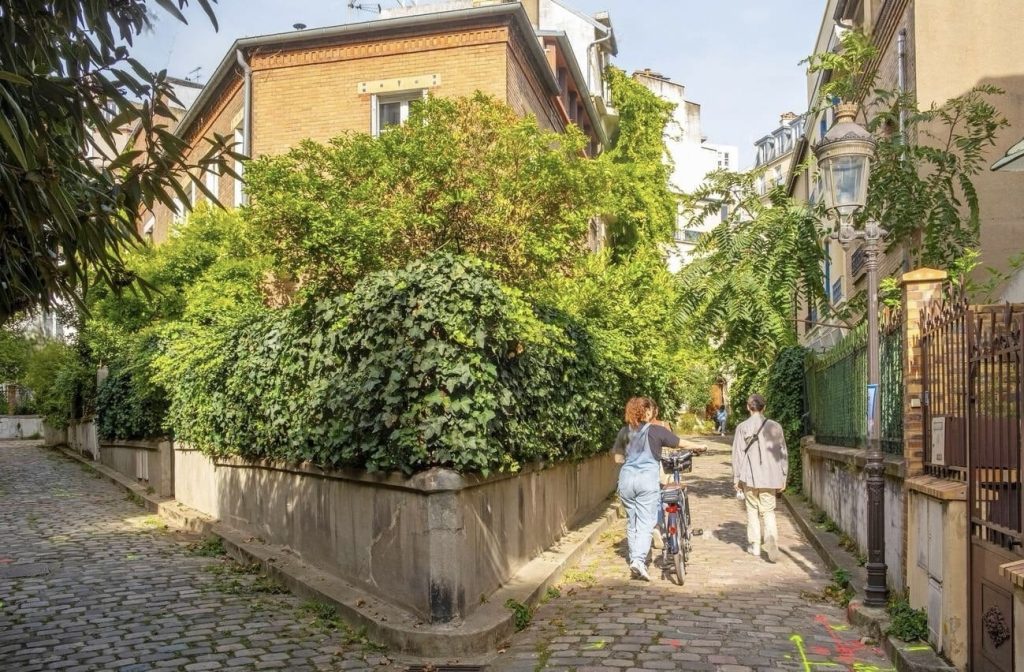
[{"x": 837, "y": 388}]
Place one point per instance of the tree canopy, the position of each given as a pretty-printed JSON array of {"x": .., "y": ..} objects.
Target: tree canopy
[
  {"x": 68, "y": 201},
  {"x": 467, "y": 175}
]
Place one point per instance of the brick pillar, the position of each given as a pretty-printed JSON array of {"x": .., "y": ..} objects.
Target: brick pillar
[{"x": 919, "y": 287}]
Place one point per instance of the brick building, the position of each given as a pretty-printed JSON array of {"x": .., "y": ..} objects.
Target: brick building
[{"x": 274, "y": 91}]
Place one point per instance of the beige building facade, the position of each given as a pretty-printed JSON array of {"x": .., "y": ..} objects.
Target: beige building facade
[{"x": 935, "y": 49}]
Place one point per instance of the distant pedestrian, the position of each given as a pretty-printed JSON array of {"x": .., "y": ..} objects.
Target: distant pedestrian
[
  {"x": 721, "y": 417},
  {"x": 638, "y": 447},
  {"x": 760, "y": 465}
]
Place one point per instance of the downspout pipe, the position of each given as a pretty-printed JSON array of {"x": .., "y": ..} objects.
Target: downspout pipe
[
  {"x": 246, "y": 103},
  {"x": 901, "y": 79},
  {"x": 590, "y": 60}
]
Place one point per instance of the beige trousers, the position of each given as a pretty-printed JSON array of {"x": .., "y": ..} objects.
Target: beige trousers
[{"x": 761, "y": 517}]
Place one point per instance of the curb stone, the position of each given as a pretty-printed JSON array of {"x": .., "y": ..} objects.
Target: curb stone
[
  {"x": 907, "y": 656},
  {"x": 477, "y": 637}
]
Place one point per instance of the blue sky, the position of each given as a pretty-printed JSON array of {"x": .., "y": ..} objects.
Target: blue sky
[{"x": 737, "y": 58}]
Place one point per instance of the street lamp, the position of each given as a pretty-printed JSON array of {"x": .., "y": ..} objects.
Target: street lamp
[{"x": 844, "y": 160}]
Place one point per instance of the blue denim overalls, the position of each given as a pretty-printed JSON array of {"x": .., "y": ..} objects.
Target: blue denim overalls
[{"x": 640, "y": 493}]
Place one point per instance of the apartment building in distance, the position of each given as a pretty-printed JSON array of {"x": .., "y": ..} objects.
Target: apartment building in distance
[
  {"x": 936, "y": 50},
  {"x": 271, "y": 92},
  {"x": 692, "y": 157},
  {"x": 773, "y": 154}
]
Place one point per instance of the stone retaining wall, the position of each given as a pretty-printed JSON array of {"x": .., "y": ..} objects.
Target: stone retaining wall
[
  {"x": 834, "y": 481},
  {"x": 150, "y": 463},
  {"x": 20, "y": 426},
  {"x": 436, "y": 544}
]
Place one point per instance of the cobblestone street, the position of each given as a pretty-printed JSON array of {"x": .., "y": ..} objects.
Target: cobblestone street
[
  {"x": 734, "y": 614},
  {"x": 90, "y": 581}
]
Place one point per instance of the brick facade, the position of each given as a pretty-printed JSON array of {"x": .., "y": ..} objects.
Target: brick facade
[{"x": 315, "y": 90}]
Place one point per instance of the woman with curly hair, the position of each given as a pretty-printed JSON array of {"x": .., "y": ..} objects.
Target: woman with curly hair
[{"x": 638, "y": 446}]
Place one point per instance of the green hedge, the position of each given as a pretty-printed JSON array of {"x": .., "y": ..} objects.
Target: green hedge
[
  {"x": 433, "y": 365},
  {"x": 128, "y": 407},
  {"x": 786, "y": 403}
]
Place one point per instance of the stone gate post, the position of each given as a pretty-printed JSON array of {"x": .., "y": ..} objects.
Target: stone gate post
[{"x": 919, "y": 287}]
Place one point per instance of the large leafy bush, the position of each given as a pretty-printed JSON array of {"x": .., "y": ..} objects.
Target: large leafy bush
[
  {"x": 207, "y": 274},
  {"x": 468, "y": 176},
  {"x": 434, "y": 365},
  {"x": 63, "y": 385}
]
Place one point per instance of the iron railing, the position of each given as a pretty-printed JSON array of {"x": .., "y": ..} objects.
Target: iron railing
[
  {"x": 995, "y": 338},
  {"x": 944, "y": 388},
  {"x": 837, "y": 388}
]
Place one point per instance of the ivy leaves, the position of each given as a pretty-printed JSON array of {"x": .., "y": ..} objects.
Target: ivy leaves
[{"x": 436, "y": 364}]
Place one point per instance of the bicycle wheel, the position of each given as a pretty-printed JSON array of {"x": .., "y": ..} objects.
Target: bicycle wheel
[{"x": 678, "y": 558}]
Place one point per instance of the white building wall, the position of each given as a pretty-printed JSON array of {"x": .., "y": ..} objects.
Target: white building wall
[{"x": 692, "y": 159}]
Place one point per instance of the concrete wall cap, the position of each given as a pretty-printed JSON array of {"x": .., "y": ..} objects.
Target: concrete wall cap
[{"x": 924, "y": 275}]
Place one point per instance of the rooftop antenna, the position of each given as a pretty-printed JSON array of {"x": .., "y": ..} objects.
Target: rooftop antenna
[
  {"x": 372, "y": 7},
  {"x": 194, "y": 74}
]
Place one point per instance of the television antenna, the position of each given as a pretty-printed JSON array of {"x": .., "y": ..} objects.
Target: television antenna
[
  {"x": 194, "y": 74},
  {"x": 376, "y": 7}
]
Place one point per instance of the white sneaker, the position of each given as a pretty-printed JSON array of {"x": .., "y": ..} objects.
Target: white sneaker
[
  {"x": 634, "y": 570},
  {"x": 771, "y": 547},
  {"x": 640, "y": 571},
  {"x": 754, "y": 550}
]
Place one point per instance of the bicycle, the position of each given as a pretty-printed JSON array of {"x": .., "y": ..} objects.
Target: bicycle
[{"x": 675, "y": 519}]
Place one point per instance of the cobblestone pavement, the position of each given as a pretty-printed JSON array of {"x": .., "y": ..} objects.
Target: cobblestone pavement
[
  {"x": 90, "y": 581},
  {"x": 735, "y": 613}
]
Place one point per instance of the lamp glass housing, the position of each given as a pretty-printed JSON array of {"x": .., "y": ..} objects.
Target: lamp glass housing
[{"x": 846, "y": 182}]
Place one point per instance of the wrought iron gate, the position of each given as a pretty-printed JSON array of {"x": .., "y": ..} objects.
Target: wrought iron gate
[{"x": 972, "y": 368}]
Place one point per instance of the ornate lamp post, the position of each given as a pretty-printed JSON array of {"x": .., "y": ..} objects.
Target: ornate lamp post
[{"x": 844, "y": 159}]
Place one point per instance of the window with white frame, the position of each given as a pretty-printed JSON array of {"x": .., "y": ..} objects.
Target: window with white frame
[
  {"x": 393, "y": 110},
  {"x": 239, "y": 195},
  {"x": 212, "y": 180},
  {"x": 178, "y": 207}
]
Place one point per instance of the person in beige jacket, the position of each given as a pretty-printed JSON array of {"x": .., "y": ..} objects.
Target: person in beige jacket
[{"x": 760, "y": 465}]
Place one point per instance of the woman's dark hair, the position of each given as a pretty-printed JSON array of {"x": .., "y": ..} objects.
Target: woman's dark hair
[{"x": 755, "y": 403}]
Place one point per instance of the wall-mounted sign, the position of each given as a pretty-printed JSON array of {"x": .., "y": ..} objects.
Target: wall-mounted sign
[
  {"x": 872, "y": 408},
  {"x": 939, "y": 441}
]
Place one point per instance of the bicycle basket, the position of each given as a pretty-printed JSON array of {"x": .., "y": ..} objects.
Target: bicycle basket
[{"x": 681, "y": 462}]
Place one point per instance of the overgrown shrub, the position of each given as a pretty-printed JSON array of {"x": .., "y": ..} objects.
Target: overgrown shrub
[
  {"x": 129, "y": 406},
  {"x": 469, "y": 175},
  {"x": 206, "y": 276},
  {"x": 63, "y": 385},
  {"x": 434, "y": 365}
]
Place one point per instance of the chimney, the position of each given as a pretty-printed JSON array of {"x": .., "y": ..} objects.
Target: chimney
[
  {"x": 533, "y": 11},
  {"x": 786, "y": 118}
]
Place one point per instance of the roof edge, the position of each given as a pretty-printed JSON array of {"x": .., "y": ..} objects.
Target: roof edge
[
  {"x": 229, "y": 64},
  {"x": 577, "y": 74}
]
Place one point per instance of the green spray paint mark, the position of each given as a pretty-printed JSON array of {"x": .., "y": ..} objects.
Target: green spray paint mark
[
  {"x": 596, "y": 646},
  {"x": 918, "y": 648}
]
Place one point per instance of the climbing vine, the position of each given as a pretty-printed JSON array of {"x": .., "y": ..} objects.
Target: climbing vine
[{"x": 640, "y": 207}]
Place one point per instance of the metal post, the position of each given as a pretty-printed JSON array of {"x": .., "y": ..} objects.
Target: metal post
[{"x": 876, "y": 592}]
